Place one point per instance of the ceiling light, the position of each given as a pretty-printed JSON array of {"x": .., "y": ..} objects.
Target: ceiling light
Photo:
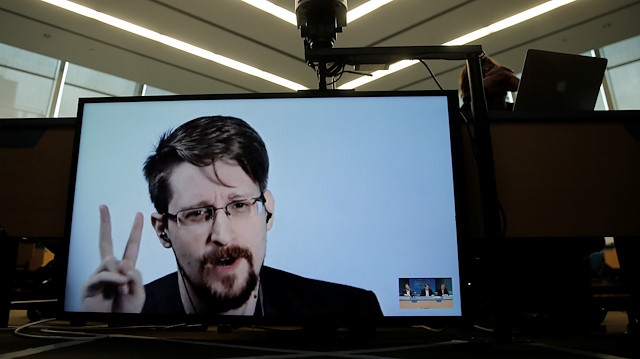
[
  {"x": 465, "y": 39},
  {"x": 275, "y": 10},
  {"x": 177, "y": 44},
  {"x": 290, "y": 17},
  {"x": 365, "y": 8},
  {"x": 400, "y": 65},
  {"x": 508, "y": 22}
]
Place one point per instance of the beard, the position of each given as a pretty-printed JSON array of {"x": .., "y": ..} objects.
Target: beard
[{"x": 226, "y": 293}]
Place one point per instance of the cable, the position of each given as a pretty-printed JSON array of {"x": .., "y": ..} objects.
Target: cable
[
  {"x": 427, "y": 328},
  {"x": 182, "y": 275},
  {"x": 81, "y": 335},
  {"x": 483, "y": 328},
  {"x": 357, "y": 73},
  {"x": 335, "y": 69},
  {"x": 432, "y": 75},
  {"x": 472, "y": 139},
  {"x": 335, "y": 80}
]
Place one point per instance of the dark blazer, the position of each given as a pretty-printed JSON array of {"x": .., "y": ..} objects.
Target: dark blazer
[
  {"x": 286, "y": 294},
  {"x": 423, "y": 294},
  {"x": 283, "y": 295},
  {"x": 163, "y": 296},
  {"x": 440, "y": 293}
]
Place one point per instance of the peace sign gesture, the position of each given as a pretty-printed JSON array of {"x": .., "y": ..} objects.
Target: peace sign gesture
[{"x": 116, "y": 286}]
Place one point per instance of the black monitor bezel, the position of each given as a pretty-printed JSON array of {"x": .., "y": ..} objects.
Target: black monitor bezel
[{"x": 135, "y": 318}]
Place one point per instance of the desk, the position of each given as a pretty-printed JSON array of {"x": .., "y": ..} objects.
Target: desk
[
  {"x": 423, "y": 302},
  {"x": 289, "y": 342}
]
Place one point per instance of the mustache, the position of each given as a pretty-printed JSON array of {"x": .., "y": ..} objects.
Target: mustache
[{"x": 217, "y": 255}]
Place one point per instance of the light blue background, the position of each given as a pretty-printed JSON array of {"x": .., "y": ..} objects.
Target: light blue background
[{"x": 362, "y": 188}]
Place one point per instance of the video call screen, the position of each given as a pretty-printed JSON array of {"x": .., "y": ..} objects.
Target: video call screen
[{"x": 363, "y": 188}]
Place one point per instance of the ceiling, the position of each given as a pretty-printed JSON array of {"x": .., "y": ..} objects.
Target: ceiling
[{"x": 239, "y": 31}]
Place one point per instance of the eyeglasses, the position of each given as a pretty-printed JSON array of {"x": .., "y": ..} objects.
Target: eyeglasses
[{"x": 236, "y": 211}]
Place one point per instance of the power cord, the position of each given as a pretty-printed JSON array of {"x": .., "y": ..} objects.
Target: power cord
[
  {"x": 432, "y": 75},
  {"x": 77, "y": 335}
]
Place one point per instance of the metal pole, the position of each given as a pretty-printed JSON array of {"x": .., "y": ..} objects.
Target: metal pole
[{"x": 489, "y": 193}]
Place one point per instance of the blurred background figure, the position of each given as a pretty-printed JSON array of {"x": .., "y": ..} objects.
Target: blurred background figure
[{"x": 497, "y": 80}]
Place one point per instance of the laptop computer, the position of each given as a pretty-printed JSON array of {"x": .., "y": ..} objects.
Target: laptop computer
[{"x": 553, "y": 81}]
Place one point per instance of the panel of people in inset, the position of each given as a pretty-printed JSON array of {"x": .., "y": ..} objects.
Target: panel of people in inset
[{"x": 425, "y": 293}]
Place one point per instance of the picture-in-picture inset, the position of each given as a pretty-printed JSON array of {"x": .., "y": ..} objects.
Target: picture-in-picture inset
[{"x": 425, "y": 293}]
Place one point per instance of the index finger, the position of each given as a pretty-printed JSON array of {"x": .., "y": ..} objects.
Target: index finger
[
  {"x": 106, "y": 247},
  {"x": 133, "y": 244}
]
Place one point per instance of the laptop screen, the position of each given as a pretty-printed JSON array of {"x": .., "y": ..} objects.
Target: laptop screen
[{"x": 353, "y": 214}]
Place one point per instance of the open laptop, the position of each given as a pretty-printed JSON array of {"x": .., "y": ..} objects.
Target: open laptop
[{"x": 554, "y": 81}]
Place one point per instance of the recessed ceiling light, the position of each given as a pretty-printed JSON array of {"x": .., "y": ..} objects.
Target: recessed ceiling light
[
  {"x": 275, "y": 10},
  {"x": 177, "y": 44},
  {"x": 510, "y": 21},
  {"x": 365, "y": 8},
  {"x": 290, "y": 17}
]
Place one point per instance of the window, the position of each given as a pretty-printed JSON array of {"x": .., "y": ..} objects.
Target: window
[
  {"x": 27, "y": 81},
  {"x": 623, "y": 73},
  {"x": 154, "y": 91},
  {"x": 84, "y": 82}
]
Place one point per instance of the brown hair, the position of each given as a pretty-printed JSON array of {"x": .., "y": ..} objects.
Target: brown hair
[{"x": 202, "y": 142}]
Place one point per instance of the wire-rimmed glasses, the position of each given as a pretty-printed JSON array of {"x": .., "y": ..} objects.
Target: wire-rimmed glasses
[{"x": 236, "y": 210}]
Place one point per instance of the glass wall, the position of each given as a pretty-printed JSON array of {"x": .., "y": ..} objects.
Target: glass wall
[
  {"x": 27, "y": 82},
  {"x": 623, "y": 73},
  {"x": 33, "y": 85},
  {"x": 83, "y": 82},
  {"x": 601, "y": 102},
  {"x": 154, "y": 91}
]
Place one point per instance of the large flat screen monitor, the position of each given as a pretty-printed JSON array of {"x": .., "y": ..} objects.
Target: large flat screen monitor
[{"x": 279, "y": 207}]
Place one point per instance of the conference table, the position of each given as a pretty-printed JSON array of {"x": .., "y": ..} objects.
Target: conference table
[{"x": 424, "y": 302}]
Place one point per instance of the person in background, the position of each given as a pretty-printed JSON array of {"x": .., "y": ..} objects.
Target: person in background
[
  {"x": 407, "y": 290},
  {"x": 497, "y": 81},
  {"x": 426, "y": 292},
  {"x": 443, "y": 291}
]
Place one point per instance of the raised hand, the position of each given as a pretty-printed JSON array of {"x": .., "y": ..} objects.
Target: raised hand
[{"x": 116, "y": 286}]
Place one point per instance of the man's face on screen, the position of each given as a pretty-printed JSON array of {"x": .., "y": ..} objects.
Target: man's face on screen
[{"x": 221, "y": 256}]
